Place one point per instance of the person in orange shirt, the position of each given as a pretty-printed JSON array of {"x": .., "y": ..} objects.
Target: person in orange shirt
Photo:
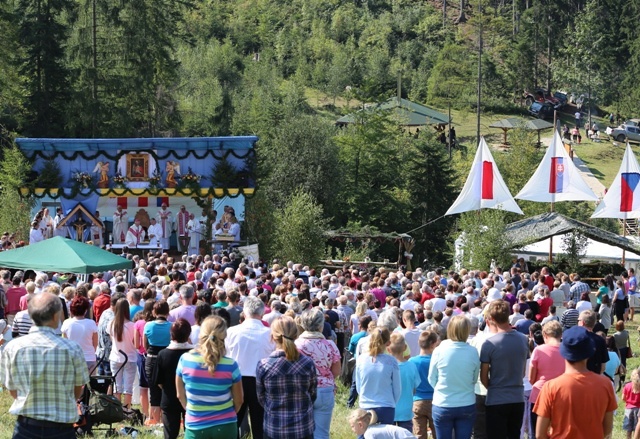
[{"x": 578, "y": 403}]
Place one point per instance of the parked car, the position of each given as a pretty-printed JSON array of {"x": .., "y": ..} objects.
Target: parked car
[
  {"x": 542, "y": 95},
  {"x": 631, "y": 123},
  {"x": 562, "y": 96},
  {"x": 541, "y": 110},
  {"x": 626, "y": 132}
]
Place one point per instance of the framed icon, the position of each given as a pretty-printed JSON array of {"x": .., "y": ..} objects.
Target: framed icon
[{"x": 137, "y": 167}]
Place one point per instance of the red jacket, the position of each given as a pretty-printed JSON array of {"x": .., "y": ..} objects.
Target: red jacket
[{"x": 100, "y": 305}]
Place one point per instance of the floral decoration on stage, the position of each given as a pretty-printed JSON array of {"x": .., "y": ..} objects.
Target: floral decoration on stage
[
  {"x": 119, "y": 180},
  {"x": 190, "y": 180},
  {"x": 82, "y": 179}
]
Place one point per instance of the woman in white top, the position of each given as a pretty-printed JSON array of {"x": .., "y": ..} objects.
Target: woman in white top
[
  {"x": 122, "y": 332},
  {"x": 82, "y": 331},
  {"x": 585, "y": 303}
]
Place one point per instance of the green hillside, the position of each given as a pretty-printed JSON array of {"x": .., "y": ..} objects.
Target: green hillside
[{"x": 287, "y": 69}]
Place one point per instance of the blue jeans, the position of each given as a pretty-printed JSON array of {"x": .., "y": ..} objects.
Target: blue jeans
[
  {"x": 385, "y": 414},
  {"x": 353, "y": 393},
  {"x": 322, "y": 411},
  {"x": 24, "y": 431},
  {"x": 448, "y": 419}
]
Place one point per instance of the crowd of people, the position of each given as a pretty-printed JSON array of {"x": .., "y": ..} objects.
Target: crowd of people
[{"x": 217, "y": 343}]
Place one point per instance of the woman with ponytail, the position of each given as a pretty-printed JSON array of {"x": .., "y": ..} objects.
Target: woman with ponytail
[
  {"x": 377, "y": 377},
  {"x": 286, "y": 384},
  {"x": 209, "y": 385},
  {"x": 365, "y": 424}
]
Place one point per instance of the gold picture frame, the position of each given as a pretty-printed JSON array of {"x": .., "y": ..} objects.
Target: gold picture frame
[{"x": 137, "y": 167}]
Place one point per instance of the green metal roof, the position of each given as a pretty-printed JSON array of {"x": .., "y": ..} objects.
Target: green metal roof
[
  {"x": 407, "y": 112},
  {"x": 516, "y": 122}
]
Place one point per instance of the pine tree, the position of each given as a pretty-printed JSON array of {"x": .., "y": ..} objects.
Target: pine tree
[
  {"x": 43, "y": 33},
  {"x": 430, "y": 181}
]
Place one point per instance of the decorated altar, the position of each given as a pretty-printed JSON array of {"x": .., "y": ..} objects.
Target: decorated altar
[{"x": 140, "y": 175}]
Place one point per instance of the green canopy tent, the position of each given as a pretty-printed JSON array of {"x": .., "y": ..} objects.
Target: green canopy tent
[{"x": 63, "y": 255}]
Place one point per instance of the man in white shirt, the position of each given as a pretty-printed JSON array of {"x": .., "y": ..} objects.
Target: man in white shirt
[
  {"x": 411, "y": 333},
  {"x": 248, "y": 343},
  {"x": 276, "y": 307},
  {"x": 513, "y": 318},
  {"x": 408, "y": 303},
  {"x": 155, "y": 232},
  {"x": 438, "y": 303}
]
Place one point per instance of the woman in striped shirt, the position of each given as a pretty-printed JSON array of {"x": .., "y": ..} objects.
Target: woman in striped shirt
[{"x": 209, "y": 385}]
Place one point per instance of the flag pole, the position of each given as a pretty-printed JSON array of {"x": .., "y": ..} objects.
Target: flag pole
[{"x": 555, "y": 128}]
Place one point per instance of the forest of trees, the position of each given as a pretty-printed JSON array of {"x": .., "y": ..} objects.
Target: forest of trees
[{"x": 140, "y": 68}]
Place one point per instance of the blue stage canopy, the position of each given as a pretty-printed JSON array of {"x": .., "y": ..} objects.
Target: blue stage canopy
[
  {"x": 141, "y": 144},
  {"x": 221, "y": 165}
]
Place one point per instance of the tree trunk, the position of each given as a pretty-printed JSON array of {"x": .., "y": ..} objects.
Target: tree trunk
[
  {"x": 444, "y": 14},
  {"x": 462, "y": 18}
]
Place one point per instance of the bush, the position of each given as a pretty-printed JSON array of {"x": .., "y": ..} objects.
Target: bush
[{"x": 299, "y": 230}]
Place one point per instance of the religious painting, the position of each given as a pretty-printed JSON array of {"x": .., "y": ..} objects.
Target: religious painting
[{"x": 137, "y": 167}]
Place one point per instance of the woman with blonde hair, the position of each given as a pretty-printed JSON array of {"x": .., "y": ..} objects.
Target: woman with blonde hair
[
  {"x": 453, "y": 374},
  {"x": 206, "y": 370},
  {"x": 286, "y": 385},
  {"x": 365, "y": 424},
  {"x": 631, "y": 398},
  {"x": 361, "y": 309},
  {"x": 377, "y": 377}
]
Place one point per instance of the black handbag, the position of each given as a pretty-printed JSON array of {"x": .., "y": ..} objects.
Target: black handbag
[
  {"x": 348, "y": 365},
  {"x": 105, "y": 409}
]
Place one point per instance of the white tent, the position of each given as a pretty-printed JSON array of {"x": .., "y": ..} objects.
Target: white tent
[
  {"x": 621, "y": 200},
  {"x": 595, "y": 251},
  {"x": 557, "y": 178},
  {"x": 484, "y": 188}
]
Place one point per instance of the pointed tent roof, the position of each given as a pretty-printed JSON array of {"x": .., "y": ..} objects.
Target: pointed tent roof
[
  {"x": 64, "y": 255},
  {"x": 410, "y": 113},
  {"x": 546, "y": 225},
  {"x": 622, "y": 200},
  {"x": 556, "y": 170},
  {"x": 484, "y": 188}
]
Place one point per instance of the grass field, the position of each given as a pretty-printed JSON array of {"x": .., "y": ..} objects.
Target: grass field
[{"x": 339, "y": 426}]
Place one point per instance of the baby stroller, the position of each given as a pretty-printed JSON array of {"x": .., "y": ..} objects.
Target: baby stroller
[{"x": 97, "y": 406}]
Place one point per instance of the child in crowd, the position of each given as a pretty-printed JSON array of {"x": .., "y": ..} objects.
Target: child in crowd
[
  {"x": 631, "y": 397},
  {"x": 423, "y": 397},
  {"x": 365, "y": 424},
  {"x": 410, "y": 379}
]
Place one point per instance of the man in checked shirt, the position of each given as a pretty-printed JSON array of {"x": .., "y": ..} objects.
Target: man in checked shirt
[{"x": 44, "y": 374}]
